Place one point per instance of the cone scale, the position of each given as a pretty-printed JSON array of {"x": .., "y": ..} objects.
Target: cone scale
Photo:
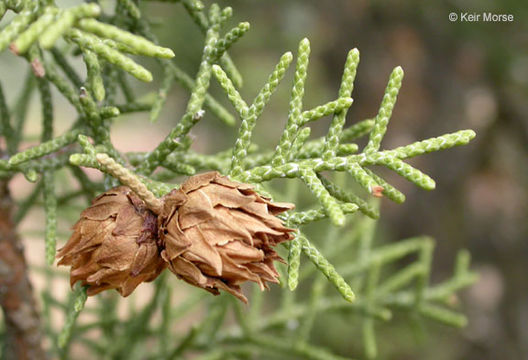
[{"x": 212, "y": 232}]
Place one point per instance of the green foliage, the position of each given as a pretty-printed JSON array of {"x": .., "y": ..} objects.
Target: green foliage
[{"x": 369, "y": 282}]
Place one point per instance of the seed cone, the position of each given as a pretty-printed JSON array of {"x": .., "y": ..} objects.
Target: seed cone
[
  {"x": 113, "y": 245},
  {"x": 217, "y": 233}
]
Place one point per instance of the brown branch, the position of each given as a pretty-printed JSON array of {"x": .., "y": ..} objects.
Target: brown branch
[{"x": 22, "y": 324}]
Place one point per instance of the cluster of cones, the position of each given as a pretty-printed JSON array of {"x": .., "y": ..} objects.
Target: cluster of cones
[{"x": 212, "y": 232}]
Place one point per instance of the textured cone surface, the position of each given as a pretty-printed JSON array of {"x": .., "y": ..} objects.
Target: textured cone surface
[
  {"x": 113, "y": 245},
  {"x": 217, "y": 234}
]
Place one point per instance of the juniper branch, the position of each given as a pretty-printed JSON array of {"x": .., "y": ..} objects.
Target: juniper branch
[{"x": 109, "y": 40}]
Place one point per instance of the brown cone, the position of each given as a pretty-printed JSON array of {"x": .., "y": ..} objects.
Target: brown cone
[
  {"x": 217, "y": 234},
  {"x": 113, "y": 245}
]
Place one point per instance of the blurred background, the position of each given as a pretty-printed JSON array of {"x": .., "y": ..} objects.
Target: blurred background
[{"x": 458, "y": 75}]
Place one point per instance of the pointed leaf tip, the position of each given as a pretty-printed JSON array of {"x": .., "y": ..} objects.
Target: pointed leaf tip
[
  {"x": 166, "y": 53},
  {"x": 471, "y": 134},
  {"x": 430, "y": 185},
  {"x": 398, "y": 70},
  {"x": 244, "y": 25}
]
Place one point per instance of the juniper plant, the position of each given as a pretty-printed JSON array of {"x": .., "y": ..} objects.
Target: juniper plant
[{"x": 368, "y": 282}]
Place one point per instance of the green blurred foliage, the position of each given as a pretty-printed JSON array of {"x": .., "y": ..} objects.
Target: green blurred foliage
[{"x": 458, "y": 75}]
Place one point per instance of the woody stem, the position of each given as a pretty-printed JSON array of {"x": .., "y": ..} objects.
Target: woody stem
[
  {"x": 22, "y": 323},
  {"x": 126, "y": 177}
]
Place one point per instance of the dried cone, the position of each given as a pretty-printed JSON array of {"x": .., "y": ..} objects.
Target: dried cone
[
  {"x": 217, "y": 234},
  {"x": 113, "y": 245}
]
